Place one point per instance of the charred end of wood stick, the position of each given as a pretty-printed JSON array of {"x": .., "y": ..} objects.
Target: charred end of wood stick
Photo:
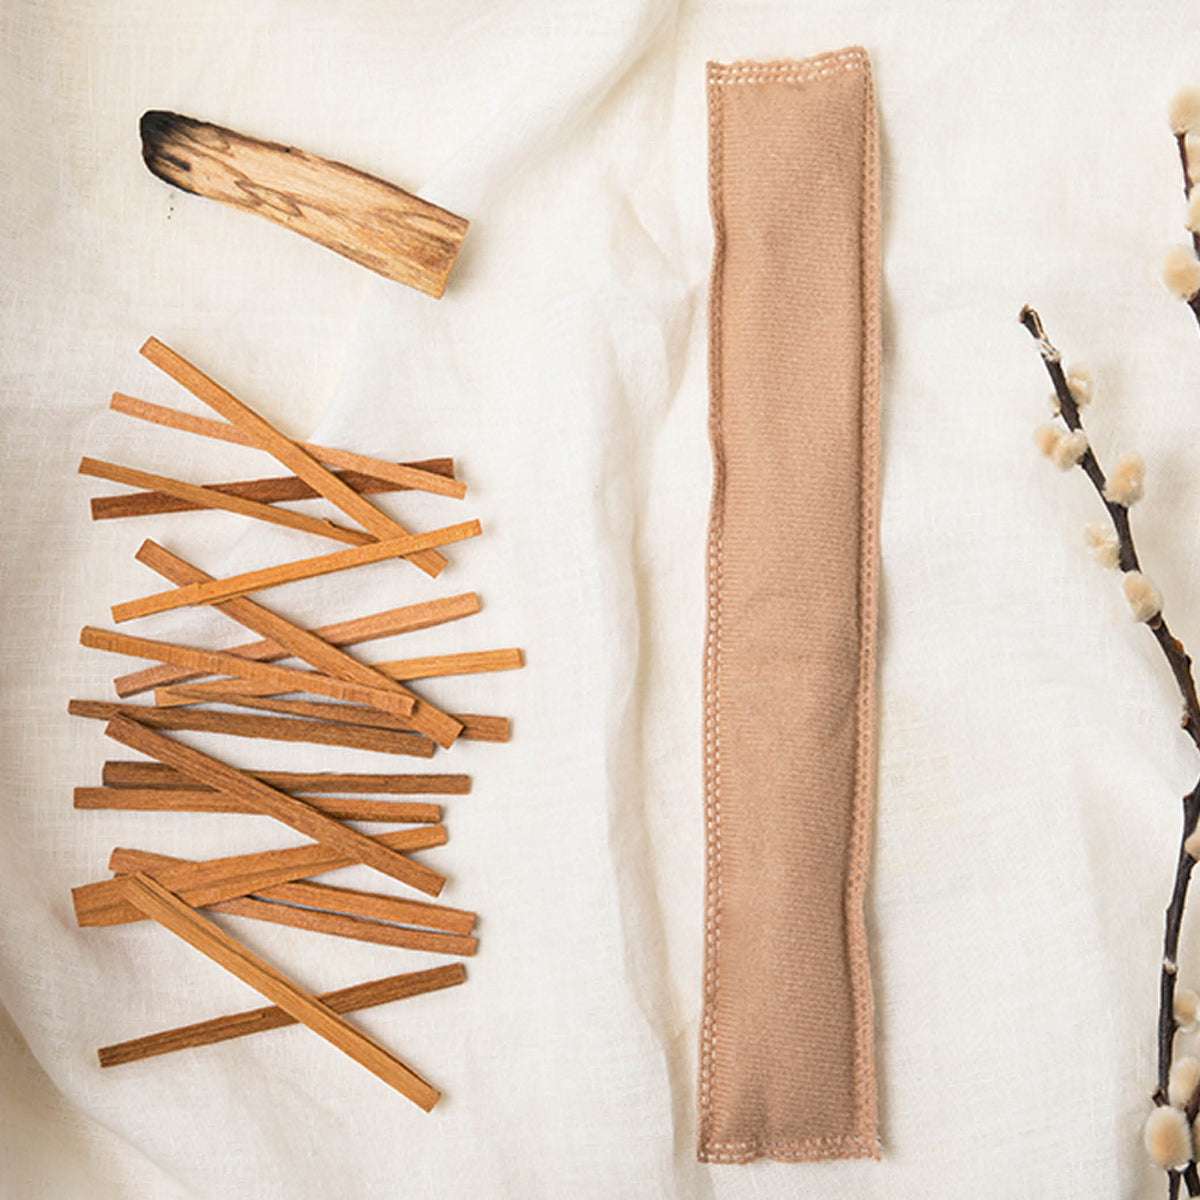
[{"x": 163, "y": 136}]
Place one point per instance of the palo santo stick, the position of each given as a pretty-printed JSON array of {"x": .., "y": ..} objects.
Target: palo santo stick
[
  {"x": 202, "y": 497},
  {"x": 406, "y": 669},
  {"x": 187, "y": 800},
  {"x": 401, "y": 474},
  {"x": 475, "y": 728},
  {"x": 201, "y": 883},
  {"x": 267, "y": 491},
  {"x": 220, "y": 1029},
  {"x": 278, "y": 729},
  {"x": 214, "y": 662},
  {"x": 371, "y": 905},
  {"x": 129, "y": 774},
  {"x": 172, "y": 913},
  {"x": 258, "y": 797},
  {"x": 283, "y": 450},
  {"x": 342, "y": 633},
  {"x": 307, "y": 568},
  {"x": 359, "y": 929},
  {"x": 301, "y": 642},
  {"x": 371, "y": 222}
]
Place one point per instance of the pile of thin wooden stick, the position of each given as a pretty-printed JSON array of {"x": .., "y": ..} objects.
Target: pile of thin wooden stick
[{"x": 335, "y": 700}]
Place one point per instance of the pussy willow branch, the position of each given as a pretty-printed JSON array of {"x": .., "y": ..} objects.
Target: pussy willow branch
[
  {"x": 1181, "y": 141},
  {"x": 1181, "y": 668}
]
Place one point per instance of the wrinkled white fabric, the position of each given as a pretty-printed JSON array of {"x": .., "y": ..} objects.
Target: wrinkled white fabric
[{"x": 1030, "y": 764}]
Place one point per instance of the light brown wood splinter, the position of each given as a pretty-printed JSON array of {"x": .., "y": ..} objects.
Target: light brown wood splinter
[
  {"x": 373, "y": 223},
  {"x": 170, "y": 912}
]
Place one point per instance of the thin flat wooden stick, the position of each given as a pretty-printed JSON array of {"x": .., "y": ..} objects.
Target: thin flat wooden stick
[
  {"x": 408, "y": 669},
  {"x": 172, "y": 913},
  {"x": 283, "y": 449},
  {"x": 372, "y": 905},
  {"x": 365, "y": 219},
  {"x": 342, "y": 633},
  {"x": 359, "y": 929},
  {"x": 277, "y": 729},
  {"x": 188, "y": 800},
  {"x": 200, "y": 883},
  {"x": 400, "y": 474},
  {"x": 258, "y": 797},
  {"x": 213, "y": 661},
  {"x": 271, "y": 490},
  {"x": 120, "y": 773},
  {"x": 307, "y": 568},
  {"x": 221, "y": 1029},
  {"x": 475, "y": 728},
  {"x": 425, "y": 717},
  {"x": 202, "y": 497}
]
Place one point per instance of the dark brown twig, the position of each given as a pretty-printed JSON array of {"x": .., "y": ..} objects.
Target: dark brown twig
[{"x": 1181, "y": 669}]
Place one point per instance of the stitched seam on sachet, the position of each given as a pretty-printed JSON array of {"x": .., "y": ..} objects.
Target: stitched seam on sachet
[
  {"x": 856, "y": 876},
  {"x": 808, "y": 1149},
  {"x": 712, "y": 680}
]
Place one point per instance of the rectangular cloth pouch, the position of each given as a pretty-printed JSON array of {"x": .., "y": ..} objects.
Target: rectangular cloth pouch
[{"x": 786, "y": 1054}]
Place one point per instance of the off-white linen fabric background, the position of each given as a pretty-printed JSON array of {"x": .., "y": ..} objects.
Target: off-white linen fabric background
[{"x": 1030, "y": 767}]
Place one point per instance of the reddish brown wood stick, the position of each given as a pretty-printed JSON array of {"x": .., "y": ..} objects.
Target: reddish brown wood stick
[
  {"x": 308, "y": 568},
  {"x": 220, "y": 1029},
  {"x": 131, "y": 774},
  {"x": 102, "y": 902},
  {"x": 271, "y": 490},
  {"x": 406, "y": 619},
  {"x": 187, "y": 800},
  {"x": 278, "y": 729},
  {"x": 399, "y": 473},
  {"x": 304, "y": 644},
  {"x": 172, "y": 913},
  {"x": 258, "y": 797},
  {"x": 297, "y": 460},
  {"x": 202, "y": 497}
]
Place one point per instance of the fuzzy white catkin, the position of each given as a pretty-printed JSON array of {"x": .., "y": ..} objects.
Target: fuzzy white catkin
[
  {"x": 1126, "y": 483},
  {"x": 1192, "y": 220},
  {"x": 1181, "y": 272},
  {"x": 1184, "y": 110},
  {"x": 1187, "y": 1006},
  {"x": 1185, "y": 1074},
  {"x": 1168, "y": 1138},
  {"x": 1103, "y": 544},
  {"x": 1081, "y": 382},
  {"x": 1070, "y": 448},
  {"x": 1144, "y": 600}
]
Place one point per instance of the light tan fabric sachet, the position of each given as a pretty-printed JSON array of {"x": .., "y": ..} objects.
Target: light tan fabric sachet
[{"x": 786, "y": 1054}]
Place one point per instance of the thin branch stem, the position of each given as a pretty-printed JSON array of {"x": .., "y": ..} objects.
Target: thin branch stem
[
  {"x": 1181, "y": 142},
  {"x": 1177, "y": 657}
]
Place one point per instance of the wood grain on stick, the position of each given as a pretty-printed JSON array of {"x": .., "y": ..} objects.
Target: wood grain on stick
[
  {"x": 307, "y": 568},
  {"x": 404, "y": 475},
  {"x": 474, "y": 728},
  {"x": 371, "y": 222},
  {"x": 235, "y": 1025},
  {"x": 172, "y": 913},
  {"x": 191, "y": 800},
  {"x": 341, "y": 633},
  {"x": 271, "y": 490},
  {"x": 286, "y": 679},
  {"x": 121, "y": 773},
  {"x": 203, "y": 497},
  {"x": 257, "y": 796},
  {"x": 201, "y": 883},
  {"x": 276, "y": 729},
  {"x": 284, "y": 450},
  {"x": 305, "y": 644}
]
